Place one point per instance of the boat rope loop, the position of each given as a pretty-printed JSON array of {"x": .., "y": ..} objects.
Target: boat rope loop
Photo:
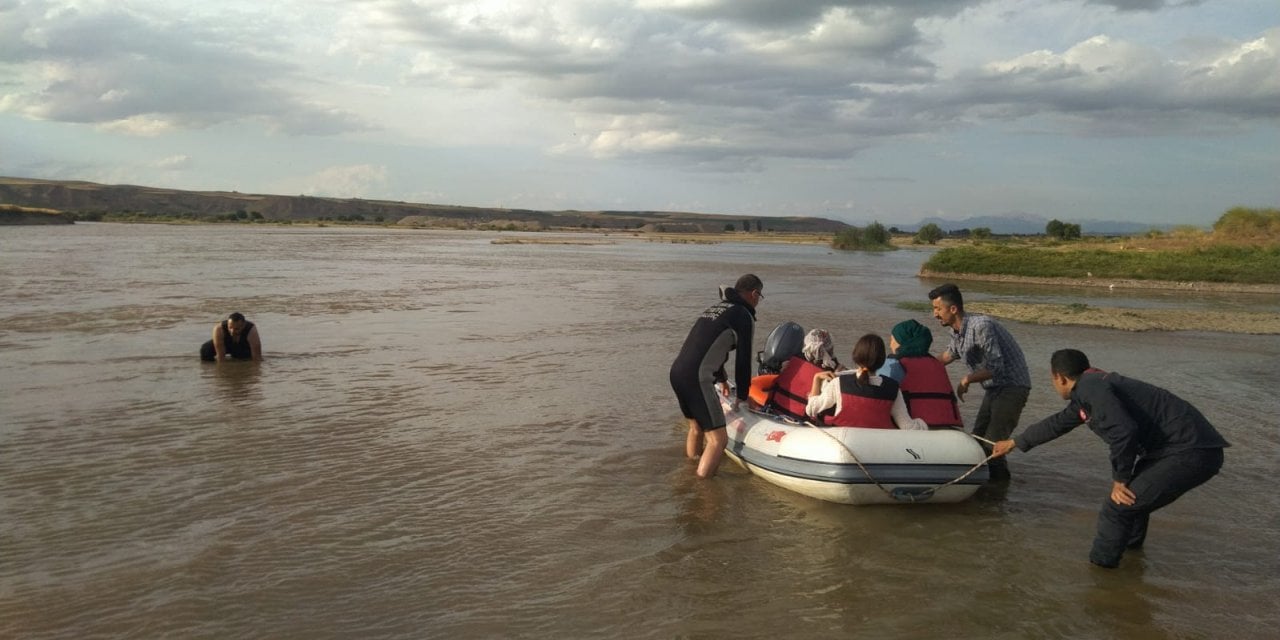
[{"x": 924, "y": 494}]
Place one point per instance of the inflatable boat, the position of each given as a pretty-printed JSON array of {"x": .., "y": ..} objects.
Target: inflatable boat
[
  {"x": 852, "y": 465},
  {"x": 849, "y": 465}
]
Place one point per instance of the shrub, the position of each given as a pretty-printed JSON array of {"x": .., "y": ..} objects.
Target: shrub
[{"x": 929, "y": 233}]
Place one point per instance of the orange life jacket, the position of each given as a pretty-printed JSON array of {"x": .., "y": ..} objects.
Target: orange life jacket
[{"x": 761, "y": 387}]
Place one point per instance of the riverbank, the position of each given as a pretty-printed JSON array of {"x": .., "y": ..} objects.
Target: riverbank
[
  {"x": 1110, "y": 283},
  {"x": 15, "y": 215},
  {"x": 1243, "y": 322}
]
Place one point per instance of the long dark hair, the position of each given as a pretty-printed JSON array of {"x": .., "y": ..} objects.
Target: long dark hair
[{"x": 868, "y": 354}]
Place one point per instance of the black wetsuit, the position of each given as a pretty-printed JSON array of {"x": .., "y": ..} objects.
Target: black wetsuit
[
  {"x": 1161, "y": 447},
  {"x": 236, "y": 349},
  {"x": 725, "y": 326}
]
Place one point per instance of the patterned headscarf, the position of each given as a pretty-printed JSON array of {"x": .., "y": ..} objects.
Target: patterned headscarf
[
  {"x": 914, "y": 339},
  {"x": 818, "y": 349}
]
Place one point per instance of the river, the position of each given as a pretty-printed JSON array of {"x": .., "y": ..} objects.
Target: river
[{"x": 454, "y": 438}]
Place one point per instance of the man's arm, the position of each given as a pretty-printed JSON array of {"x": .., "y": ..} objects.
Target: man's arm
[
  {"x": 255, "y": 345},
  {"x": 1050, "y": 428},
  {"x": 219, "y": 349},
  {"x": 977, "y": 376},
  {"x": 1041, "y": 432},
  {"x": 742, "y": 370}
]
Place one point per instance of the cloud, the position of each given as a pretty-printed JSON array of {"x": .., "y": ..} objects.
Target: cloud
[
  {"x": 1108, "y": 86},
  {"x": 147, "y": 73},
  {"x": 1144, "y": 5},
  {"x": 706, "y": 84},
  {"x": 174, "y": 163},
  {"x": 351, "y": 181},
  {"x": 731, "y": 82}
]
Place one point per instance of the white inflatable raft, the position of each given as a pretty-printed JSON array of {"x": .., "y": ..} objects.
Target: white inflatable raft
[{"x": 891, "y": 466}]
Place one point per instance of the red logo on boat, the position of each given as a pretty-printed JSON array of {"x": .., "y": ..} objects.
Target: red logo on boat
[{"x": 775, "y": 436}]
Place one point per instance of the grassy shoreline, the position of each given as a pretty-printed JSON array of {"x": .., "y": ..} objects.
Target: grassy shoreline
[
  {"x": 1210, "y": 263},
  {"x": 1110, "y": 283}
]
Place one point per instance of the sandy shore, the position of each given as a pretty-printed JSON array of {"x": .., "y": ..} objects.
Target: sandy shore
[
  {"x": 1258, "y": 323},
  {"x": 1112, "y": 283}
]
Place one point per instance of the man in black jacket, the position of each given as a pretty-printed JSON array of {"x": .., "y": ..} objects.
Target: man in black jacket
[
  {"x": 1161, "y": 446},
  {"x": 725, "y": 326}
]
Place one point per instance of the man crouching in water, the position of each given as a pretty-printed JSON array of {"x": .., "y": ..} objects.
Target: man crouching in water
[
  {"x": 234, "y": 338},
  {"x": 726, "y": 325}
]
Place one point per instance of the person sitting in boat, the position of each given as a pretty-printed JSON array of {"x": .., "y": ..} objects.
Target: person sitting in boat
[
  {"x": 858, "y": 397},
  {"x": 234, "y": 338},
  {"x": 922, "y": 378},
  {"x": 790, "y": 393}
]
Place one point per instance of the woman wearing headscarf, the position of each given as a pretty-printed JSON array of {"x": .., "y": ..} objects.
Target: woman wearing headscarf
[
  {"x": 923, "y": 379},
  {"x": 790, "y": 393},
  {"x": 819, "y": 350}
]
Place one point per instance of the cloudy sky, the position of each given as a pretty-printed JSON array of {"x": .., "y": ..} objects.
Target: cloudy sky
[{"x": 1163, "y": 111}]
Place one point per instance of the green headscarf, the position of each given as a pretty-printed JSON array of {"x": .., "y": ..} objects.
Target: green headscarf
[{"x": 914, "y": 339}]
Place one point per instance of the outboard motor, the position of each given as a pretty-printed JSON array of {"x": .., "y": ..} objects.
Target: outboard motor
[{"x": 786, "y": 340}]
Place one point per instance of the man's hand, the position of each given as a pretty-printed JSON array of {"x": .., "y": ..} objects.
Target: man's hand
[
  {"x": 1120, "y": 494},
  {"x": 1001, "y": 448},
  {"x": 962, "y": 388}
]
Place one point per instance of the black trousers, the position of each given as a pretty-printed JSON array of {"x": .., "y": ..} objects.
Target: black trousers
[
  {"x": 1155, "y": 483},
  {"x": 997, "y": 417}
]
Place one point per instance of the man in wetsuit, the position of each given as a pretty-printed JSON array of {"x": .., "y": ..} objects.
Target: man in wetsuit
[
  {"x": 1161, "y": 446},
  {"x": 725, "y": 326},
  {"x": 234, "y": 338}
]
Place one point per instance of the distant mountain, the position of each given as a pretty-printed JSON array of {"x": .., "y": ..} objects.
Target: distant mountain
[
  {"x": 1029, "y": 224},
  {"x": 87, "y": 200}
]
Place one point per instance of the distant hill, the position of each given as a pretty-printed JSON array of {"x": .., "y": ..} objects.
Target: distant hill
[
  {"x": 88, "y": 199},
  {"x": 1028, "y": 224}
]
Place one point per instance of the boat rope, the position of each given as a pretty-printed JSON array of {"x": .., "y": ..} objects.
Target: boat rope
[{"x": 912, "y": 497}]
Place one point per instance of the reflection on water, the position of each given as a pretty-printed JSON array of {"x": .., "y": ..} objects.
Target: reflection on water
[
  {"x": 450, "y": 438},
  {"x": 235, "y": 382}
]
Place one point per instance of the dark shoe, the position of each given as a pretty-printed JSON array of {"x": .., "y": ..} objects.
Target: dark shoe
[{"x": 1101, "y": 565}]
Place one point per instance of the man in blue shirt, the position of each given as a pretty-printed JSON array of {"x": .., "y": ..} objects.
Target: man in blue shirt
[{"x": 995, "y": 361}]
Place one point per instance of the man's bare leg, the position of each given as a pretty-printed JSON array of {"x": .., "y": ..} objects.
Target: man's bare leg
[
  {"x": 717, "y": 440},
  {"x": 693, "y": 441}
]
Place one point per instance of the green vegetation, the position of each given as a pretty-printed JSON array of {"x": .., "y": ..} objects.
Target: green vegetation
[
  {"x": 1062, "y": 230},
  {"x": 873, "y": 237},
  {"x": 1220, "y": 263},
  {"x": 1240, "y": 223},
  {"x": 1244, "y": 248},
  {"x": 918, "y": 307},
  {"x": 928, "y": 234}
]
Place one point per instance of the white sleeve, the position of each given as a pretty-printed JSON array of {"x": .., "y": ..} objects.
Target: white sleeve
[
  {"x": 904, "y": 419},
  {"x": 828, "y": 397}
]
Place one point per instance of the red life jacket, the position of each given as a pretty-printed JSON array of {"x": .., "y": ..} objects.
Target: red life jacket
[
  {"x": 927, "y": 391},
  {"x": 865, "y": 405},
  {"x": 791, "y": 389}
]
